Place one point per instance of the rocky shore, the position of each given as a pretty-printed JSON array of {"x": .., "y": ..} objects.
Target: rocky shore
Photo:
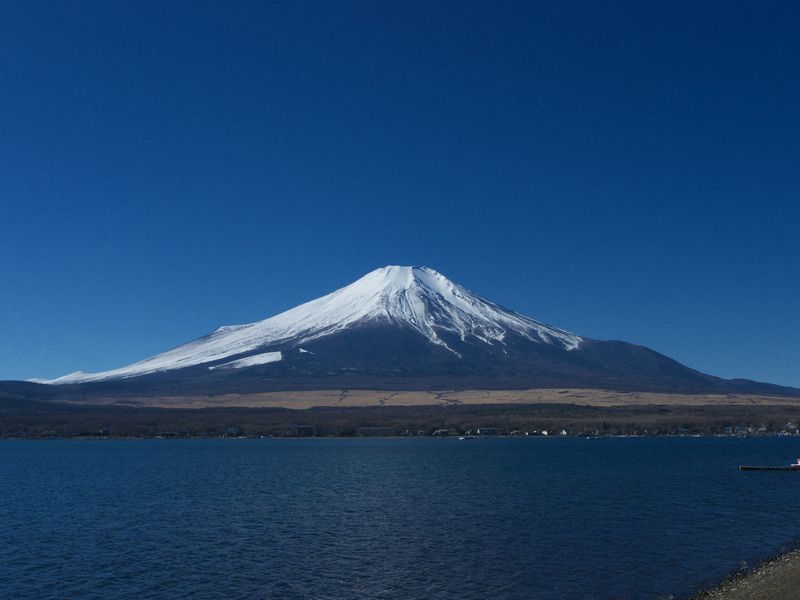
[{"x": 774, "y": 579}]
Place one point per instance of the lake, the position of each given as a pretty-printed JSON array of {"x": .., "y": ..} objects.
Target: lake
[{"x": 388, "y": 518}]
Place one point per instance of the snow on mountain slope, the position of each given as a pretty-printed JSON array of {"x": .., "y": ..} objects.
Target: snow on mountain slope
[
  {"x": 250, "y": 361},
  {"x": 415, "y": 297}
]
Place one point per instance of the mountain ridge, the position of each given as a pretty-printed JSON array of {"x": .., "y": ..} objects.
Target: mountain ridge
[
  {"x": 402, "y": 327},
  {"x": 418, "y": 297}
]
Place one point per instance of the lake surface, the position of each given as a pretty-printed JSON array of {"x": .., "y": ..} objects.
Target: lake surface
[{"x": 361, "y": 518}]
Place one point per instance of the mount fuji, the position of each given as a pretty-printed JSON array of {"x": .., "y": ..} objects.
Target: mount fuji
[{"x": 402, "y": 328}]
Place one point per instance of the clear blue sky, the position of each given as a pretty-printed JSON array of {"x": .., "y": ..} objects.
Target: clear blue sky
[{"x": 625, "y": 170}]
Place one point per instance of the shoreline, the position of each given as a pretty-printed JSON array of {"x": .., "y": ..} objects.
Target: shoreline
[
  {"x": 776, "y": 577},
  {"x": 417, "y": 436},
  {"x": 346, "y": 412},
  {"x": 398, "y": 436}
]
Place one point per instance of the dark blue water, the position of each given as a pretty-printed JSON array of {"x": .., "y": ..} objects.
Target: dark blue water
[{"x": 499, "y": 518}]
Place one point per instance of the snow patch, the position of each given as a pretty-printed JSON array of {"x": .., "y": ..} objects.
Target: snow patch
[{"x": 250, "y": 361}]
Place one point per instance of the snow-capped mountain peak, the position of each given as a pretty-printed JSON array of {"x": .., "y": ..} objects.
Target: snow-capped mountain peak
[{"x": 418, "y": 298}]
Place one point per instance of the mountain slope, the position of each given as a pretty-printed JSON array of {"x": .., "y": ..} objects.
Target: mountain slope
[
  {"x": 417, "y": 298},
  {"x": 402, "y": 328}
]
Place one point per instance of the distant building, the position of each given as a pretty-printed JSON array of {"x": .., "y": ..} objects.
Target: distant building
[
  {"x": 487, "y": 431},
  {"x": 441, "y": 432}
]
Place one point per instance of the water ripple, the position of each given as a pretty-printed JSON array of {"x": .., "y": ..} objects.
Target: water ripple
[{"x": 531, "y": 518}]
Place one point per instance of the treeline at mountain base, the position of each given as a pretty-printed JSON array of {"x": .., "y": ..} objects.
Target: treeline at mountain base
[{"x": 31, "y": 419}]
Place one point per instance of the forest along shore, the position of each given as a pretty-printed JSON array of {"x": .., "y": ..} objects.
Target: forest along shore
[
  {"x": 590, "y": 415},
  {"x": 775, "y": 579}
]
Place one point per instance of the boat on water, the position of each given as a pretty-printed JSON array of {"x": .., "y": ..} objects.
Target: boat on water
[{"x": 795, "y": 466}]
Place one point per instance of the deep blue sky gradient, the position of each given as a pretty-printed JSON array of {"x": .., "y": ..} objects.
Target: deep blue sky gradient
[{"x": 624, "y": 170}]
